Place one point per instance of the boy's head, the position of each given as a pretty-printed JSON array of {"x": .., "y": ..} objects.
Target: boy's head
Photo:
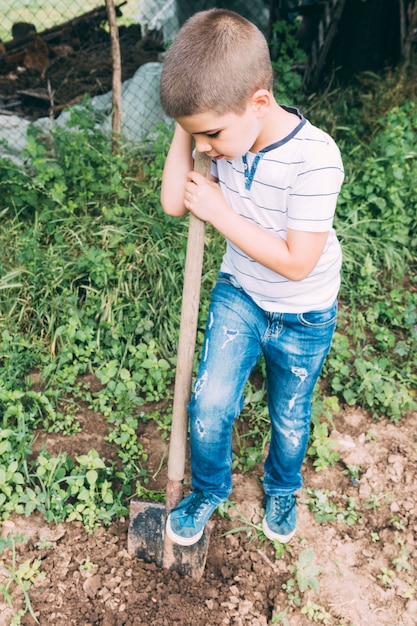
[{"x": 216, "y": 63}]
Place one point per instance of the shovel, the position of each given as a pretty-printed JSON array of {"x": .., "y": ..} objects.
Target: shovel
[{"x": 146, "y": 535}]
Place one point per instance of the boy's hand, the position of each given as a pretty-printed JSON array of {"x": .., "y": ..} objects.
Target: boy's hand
[{"x": 203, "y": 197}]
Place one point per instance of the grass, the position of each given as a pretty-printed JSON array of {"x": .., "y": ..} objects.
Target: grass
[{"x": 44, "y": 14}]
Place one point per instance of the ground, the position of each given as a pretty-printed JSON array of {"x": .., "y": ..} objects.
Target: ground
[{"x": 367, "y": 572}]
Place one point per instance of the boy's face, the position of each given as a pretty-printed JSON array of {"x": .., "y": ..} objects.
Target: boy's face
[{"x": 227, "y": 136}]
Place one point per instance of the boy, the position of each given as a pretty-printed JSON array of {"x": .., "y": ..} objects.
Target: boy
[{"x": 276, "y": 180}]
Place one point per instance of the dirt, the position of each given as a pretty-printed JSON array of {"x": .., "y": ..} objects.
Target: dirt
[
  {"x": 51, "y": 70},
  {"x": 93, "y": 580}
]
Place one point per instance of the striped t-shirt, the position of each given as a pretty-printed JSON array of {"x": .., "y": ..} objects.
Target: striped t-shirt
[{"x": 293, "y": 183}]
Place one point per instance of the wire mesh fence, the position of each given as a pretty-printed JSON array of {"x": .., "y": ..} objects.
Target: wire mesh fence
[{"x": 52, "y": 54}]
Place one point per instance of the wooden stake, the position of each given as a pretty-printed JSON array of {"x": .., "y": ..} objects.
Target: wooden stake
[{"x": 116, "y": 76}]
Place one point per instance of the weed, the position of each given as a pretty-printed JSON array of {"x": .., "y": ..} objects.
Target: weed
[
  {"x": 21, "y": 576},
  {"x": 326, "y": 510},
  {"x": 280, "y": 616},
  {"x": 354, "y": 471},
  {"x": 374, "y": 502},
  {"x": 397, "y": 523},
  {"x": 304, "y": 577},
  {"x": 316, "y": 613},
  {"x": 321, "y": 446},
  {"x": 251, "y": 529},
  {"x": 286, "y": 54},
  {"x": 401, "y": 561},
  {"x": 148, "y": 494},
  {"x": 87, "y": 565},
  {"x": 92, "y": 499},
  {"x": 129, "y": 449},
  {"x": 306, "y": 571},
  {"x": 386, "y": 576}
]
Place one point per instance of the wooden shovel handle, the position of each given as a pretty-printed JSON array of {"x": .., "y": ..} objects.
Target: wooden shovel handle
[{"x": 186, "y": 348}]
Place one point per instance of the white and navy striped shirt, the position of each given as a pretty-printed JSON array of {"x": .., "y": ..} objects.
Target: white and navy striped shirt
[{"x": 293, "y": 183}]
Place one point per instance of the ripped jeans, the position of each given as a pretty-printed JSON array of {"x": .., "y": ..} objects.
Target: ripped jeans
[{"x": 294, "y": 347}]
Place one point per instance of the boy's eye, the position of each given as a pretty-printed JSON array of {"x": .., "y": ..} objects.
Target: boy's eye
[{"x": 213, "y": 135}]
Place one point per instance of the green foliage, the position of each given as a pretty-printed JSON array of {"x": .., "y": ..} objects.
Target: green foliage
[
  {"x": 288, "y": 60},
  {"x": 304, "y": 576},
  {"x": 306, "y": 571},
  {"x": 322, "y": 447},
  {"x": 18, "y": 576},
  {"x": 322, "y": 503}
]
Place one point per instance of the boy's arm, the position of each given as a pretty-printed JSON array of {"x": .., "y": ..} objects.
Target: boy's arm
[
  {"x": 178, "y": 164},
  {"x": 294, "y": 258}
]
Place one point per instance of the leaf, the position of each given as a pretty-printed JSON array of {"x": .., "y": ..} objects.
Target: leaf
[
  {"x": 92, "y": 477},
  {"x": 305, "y": 557}
]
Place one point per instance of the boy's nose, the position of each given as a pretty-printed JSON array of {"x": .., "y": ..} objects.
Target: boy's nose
[{"x": 202, "y": 145}]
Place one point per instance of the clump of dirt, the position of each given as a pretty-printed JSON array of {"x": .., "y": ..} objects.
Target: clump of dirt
[{"x": 367, "y": 567}]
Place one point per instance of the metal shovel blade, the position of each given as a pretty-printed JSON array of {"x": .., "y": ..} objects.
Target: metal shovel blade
[
  {"x": 146, "y": 534},
  {"x": 147, "y": 541}
]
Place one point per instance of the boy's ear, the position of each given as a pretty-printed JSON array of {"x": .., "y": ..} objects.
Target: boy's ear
[{"x": 261, "y": 101}]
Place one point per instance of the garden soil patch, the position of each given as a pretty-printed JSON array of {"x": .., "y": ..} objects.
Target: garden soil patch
[
  {"x": 42, "y": 73},
  {"x": 367, "y": 571}
]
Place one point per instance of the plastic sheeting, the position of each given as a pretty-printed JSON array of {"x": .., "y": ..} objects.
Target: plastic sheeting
[{"x": 141, "y": 112}]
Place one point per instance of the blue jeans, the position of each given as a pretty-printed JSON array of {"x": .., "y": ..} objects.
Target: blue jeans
[{"x": 294, "y": 347}]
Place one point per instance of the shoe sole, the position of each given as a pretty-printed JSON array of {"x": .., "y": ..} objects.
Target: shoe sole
[
  {"x": 275, "y": 536},
  {"x": 182, "y": 541}
]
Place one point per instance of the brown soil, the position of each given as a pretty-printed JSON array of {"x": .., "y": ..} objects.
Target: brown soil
[
  {"x": 93, "y": 580},
  {"x": 52, "y": 70}
]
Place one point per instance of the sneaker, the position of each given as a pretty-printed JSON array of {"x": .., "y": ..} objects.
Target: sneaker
[
  {"x": 280, "y": 519},
  {"x": 186, "y": 522}
]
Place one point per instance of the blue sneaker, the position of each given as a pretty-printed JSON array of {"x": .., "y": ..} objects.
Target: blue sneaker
[
  {"x": 186, "y": 522},
  {"x": 280, "y": 519}
]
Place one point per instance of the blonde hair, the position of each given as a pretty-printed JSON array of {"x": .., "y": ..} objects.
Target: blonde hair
[{"x": 216, "y": 63}]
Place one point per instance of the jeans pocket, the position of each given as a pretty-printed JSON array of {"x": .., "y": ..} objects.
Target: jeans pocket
[
  {"x": 228, "y": 279},
  {"x": 319, "y": 319}
]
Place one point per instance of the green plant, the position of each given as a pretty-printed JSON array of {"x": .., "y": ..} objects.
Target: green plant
[
  {"x": 386, "y": 576},
  {"x": 129, "y": 449},
  {"x": 316, "y": 613},
  {"x": 246, "y": 456},
  {"x": 87, "y": 565},
  {"x": 321, "y": 446},
  {"x": 401, "y": 562},
  {"x": 306, "y": 571},
  {"x": 288, "y": 59},
  {"x": 22, "y": 576},
  {"x": 305, "y": 574},
  {"x": 251, "y": 529},
  {"x": 326, "y": 510},
  {"x": 354, "y": 471},
  {"x": 15, "y": 446},
  {"x": 280, "y": 616},
  {"x": 397, "y": 522},
  {"x": 92, "y": 499}
]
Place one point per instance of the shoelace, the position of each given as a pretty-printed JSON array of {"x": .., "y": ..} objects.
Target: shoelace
[
  {"x": 197, "y": 506},
  {"x": 282, "y": 505}
]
